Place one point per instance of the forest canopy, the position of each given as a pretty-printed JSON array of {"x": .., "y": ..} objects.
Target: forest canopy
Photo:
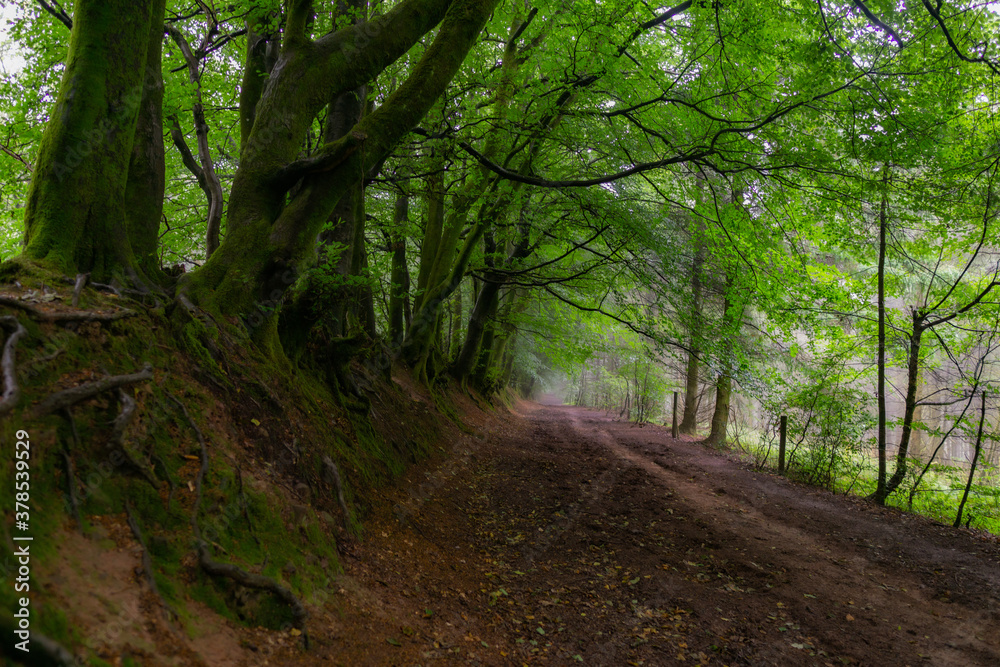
[{"x": 772, "y": 208}]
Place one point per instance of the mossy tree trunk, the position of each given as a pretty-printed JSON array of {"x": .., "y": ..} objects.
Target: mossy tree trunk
[
  {"x": 146, "y": 182},
  {"x": 75, "y": 216},
  {"x": 271, "y": 229},
  {"x": 399, "y": 293}
]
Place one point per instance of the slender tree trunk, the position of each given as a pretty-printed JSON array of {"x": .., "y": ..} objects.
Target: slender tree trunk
[
  {"x": 489, "y": 350},
  {"x": 399, "y": 277},
  {"x": 456, "y": 318},
  {"x": 433, "y": 229},
  {"x": 880, "y": 490},
  {"x": 364, "y": 308},
  {"x": 75, "y": 212},
  {"x": 912, "y": 372},
  {"x": 208, "y": 180},
  {"x": 347, "y": 219},
  {"x": 975, "y": 460},
  {"x": 689, "y": 422}
]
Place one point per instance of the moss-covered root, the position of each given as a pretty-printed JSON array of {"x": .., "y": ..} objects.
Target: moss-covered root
[
  {"x": 259, "y": 582},
  {"x": 228, "y": 570}
]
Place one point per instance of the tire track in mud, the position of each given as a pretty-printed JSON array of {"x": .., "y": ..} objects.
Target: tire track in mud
[{"x": 821, "y": 571}]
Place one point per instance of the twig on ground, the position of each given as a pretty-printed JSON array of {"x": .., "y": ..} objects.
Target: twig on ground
[{"x": 74, "y": 395}]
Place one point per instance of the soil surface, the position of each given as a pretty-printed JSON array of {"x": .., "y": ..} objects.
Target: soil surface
[{"x": 564, "y": 537}]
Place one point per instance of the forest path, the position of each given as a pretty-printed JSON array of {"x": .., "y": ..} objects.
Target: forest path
[{"x": 569, "y": 538}]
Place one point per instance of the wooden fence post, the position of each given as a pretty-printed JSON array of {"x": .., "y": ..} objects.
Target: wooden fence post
[
  {"x": 673, "y": 428},
  {"x": 781, "y": 443}
]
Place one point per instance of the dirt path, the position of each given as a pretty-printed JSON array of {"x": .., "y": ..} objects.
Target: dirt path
[{"x": 566, "y": 538}]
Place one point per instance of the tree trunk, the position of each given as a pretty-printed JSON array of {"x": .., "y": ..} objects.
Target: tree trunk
[
  {"x": 975, "y": 459},
  {"x": 204, "y": 171},
  {"x": 456, "y": 329},
  {"x": 720, "y": 416},
  {"x": 75, "y": 212},
  {"x": 400, "y": 276},
  {"x": 912, "y": 372},
  {"x": 486, "y": 304},
  {"x": 880, "y": 492},
  {"x": 147, "y": 170},
  {"x": 490, "y": 348},
  {"x": 689, "y": 422},
  {"x": 347, "y": 219},
  {"x": 731, "y": 320},
  {"x": 261, "y": 54}
]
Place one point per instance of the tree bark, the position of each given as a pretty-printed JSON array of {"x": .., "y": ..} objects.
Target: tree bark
[
  {"x": 146, "y": 183},
  {"x": 75, "y": 212}
]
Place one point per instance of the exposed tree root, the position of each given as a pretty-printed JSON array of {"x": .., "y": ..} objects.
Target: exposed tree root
[
  {"x": 228, "y": 570},
  {"x": 65, "y": 315},
  {"x": 11, "y": 392},
  {"x": 333, "y": 475},
  {"x": 256, "y": 581},
  {"x": 81, "y": 282},
  {"x": 147, "y": 565},
  {"x": 117, "y": 441},
  {"x": 106, "y": 288},
  {"x": 74, "y": 395}
]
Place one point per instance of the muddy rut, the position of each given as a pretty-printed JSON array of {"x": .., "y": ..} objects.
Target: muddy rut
[{"x": 567, "y": 538}]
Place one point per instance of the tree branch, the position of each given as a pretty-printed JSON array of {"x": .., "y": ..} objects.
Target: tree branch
[
  {"x": 57, "y": 11},
  {"x": 875, "y": 20},
  {"x": 935, "y": 13},
  {"x": 177, "y": 135},
  {"x": 328, "y": 158}
]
